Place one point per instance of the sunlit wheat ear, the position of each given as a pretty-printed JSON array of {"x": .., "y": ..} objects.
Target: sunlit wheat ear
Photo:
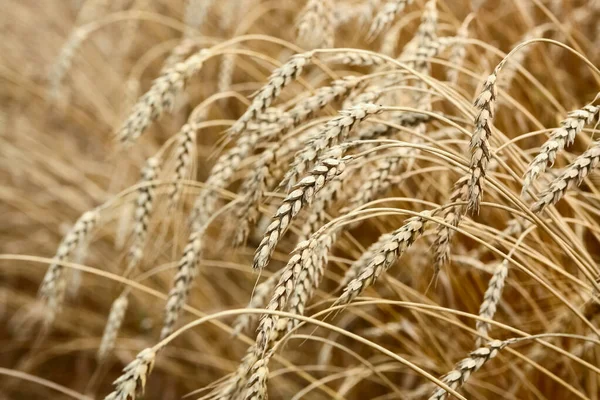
[
  {"x": 184, "y": 156},
  {"x": 459, "y": 50},
  {"x": 52, "y": 288},
  {"x": 131, "y": 384},
  {"x": 256, "y": 389},
  {"x": 480, "y": 147},
  {"x": 259, "y": 299},
  {"x": 309, "y": 278},
  {"x": 301, "y": 196},
  {"x": 559, "y": 139},
  {"x": 113, "y": 325},
  {"x": 64, "y": 61},
  {"x": 237, "y": 382},
  {"x": 357, "y": 59},
  {"x": 365, "y": 258},
  {"x": 386, "y": 15},
  {"x": 178, "y": 54},
  {"x": 573, "y": 175},
  {"x": 335, "y": 131},
  {"x": 389, "y": 250},
  {"x": 280, "y": 78},
  {"x": 452, "y": 216},
  {"x": 143, "y": 209},
  {"x": 426, "y": 36},
  {"x": 316, "y": 25},
  {"x": 377, "y": 182},
  {"x": 317, "y": 215},
  {"x": 491, "y": 298},
  {"x": 464, "y": 368},
  {"x": 252, "y": 190},
  {"x": 161, "y": 96},
  {"x": 187, "y": 269}
]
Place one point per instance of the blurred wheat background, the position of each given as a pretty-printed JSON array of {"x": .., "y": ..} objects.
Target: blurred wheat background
[{"x": 299, "y": 199}]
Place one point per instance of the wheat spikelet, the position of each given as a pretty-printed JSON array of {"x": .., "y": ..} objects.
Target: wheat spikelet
[
  {"x": 357, "y": 59},
  {"x": 335, "y": 131},
  {"x": 480, "y": 152},
  {"x": 187, "y": 269},
  {"x": 317, "y": 212},
  {"x": 426, "y": 37},
  {"x": 161, "y": 96},
  {"x": 131, "y": 383},
  {"x": 386, "y": 15},
  {"x": 184, "y": 152},
  {"x": 113, "y": 324},
  {"x": 451, "y": 215},
  {"x": 390, "y": 248},
  {"x": 237, "y": 382},
  {"x": 52, "y": 288},
  {"x": 316, "y": 25},
  {"x": 143, "y": 209},
  {"x": 280, "y": 78},
  {"x": 302, "y": 195},
  {"x": 65, "y": 61},
  {"x": 559, "y": 139},
  {"x": 573, "y": 175},
  {"x": 491, "y": 298},
  {"x": 258, "y": 300},
  {"x": 464, "y": 368},
  {"x": 256, "y": 389}
]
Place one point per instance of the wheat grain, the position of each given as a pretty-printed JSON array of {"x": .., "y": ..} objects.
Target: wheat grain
[
  {"x": 390, "y": 248},
  {"x": 559, "y": 139},
  {"x": 574, "y": 174},
  {"x": 491, "y": 298},
  {"x": 464, "y": 368},
  {"x": 161, "y": 96},
  {"x": 187, "y": 269},
  {"x": 132, "y": 382},
  {"x": 386, "y": 15},
  {"x": 302, "y": 195},
  {"x": 113, "y": 325}
]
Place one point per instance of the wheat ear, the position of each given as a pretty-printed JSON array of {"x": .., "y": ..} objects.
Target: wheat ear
[
  {"x": 237, "y": 382},
  {"x": 187, "y": 269},
  {"x": 391, "y": 247},
  {"x": 572, "y": 175},
  {"x": 316, "y": 25},
  {"x": 559, "y": 139},
  {"x": 256, "y": 389},
  {"x": 464, "y": 368},
  {"x": 113, "y": 325},
  {"x": 491, "y": 298},
  {"x": 161, "y": 96},
  {"x": 386, "y": 15},
  {"x": 52, "y": 288},
  {"x": 302, "y": 195},
  {"x": 184, "y": 156},
  {"x": 280, "y": 78},
  {"x": 65, "y": 61},
  {"x": 459, "y": 51},
  {"x": 131, "y": 383}
]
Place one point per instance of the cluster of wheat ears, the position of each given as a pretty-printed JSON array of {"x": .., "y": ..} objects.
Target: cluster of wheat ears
[{"x": 311, "y": 199}]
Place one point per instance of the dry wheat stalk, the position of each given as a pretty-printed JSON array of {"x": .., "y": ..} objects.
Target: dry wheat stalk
[
  {"x": 574, "y": 174},
  {"x": 386, "y": 15},
  {"x": 256, "y": 389},
  {"x": 280, "y": 78},
  {"x": 452, "y": 216},
  {"x": 187, "y": 269},
  {"x": 464, "y": 368},
  {"x": 335, "y": 131},
  {"x": 226, "y": 72},
  {"x": 480, "y": 151},
  {"x": 491, "y": 298},
  {"x": 113, "y": 324},
  {"x": 52, "y": 288},
  {"x": 559, "y": 139},
  {"x": 316, "y": 25},
  {"x": 184, "y": 156},
  {"x": 143, "y": 209},
  {"x": 390, "y": 248},
  {"x": 302, "y": 195},
  {"x": 258, "y": 300},
  {"x": 131, "y": 383},
  {"x": 161, "y": 96}
]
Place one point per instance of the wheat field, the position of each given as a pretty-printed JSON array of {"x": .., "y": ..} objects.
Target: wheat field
[{"x": 300, "y": 199}]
